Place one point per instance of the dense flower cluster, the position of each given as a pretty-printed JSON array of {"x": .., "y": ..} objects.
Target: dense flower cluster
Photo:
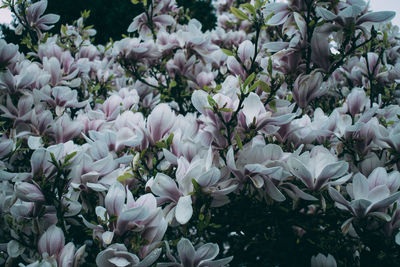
[{"x": 111, "y": 155}]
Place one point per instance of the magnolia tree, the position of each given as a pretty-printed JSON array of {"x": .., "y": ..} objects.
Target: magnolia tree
[{"x": 273, "y": 139}]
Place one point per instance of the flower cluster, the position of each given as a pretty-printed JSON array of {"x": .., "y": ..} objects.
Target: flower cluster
[{"x": 276, "y": 132}]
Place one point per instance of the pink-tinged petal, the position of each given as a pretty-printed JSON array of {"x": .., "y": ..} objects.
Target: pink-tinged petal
[
  {"x": 246, "y": 51},
  {"x": 66, "y": 257},
  {"x": 360, "y": 207},
  {"x": 273, "y": 192},
  {"x": 36, "y": 10},
  {"x": 151, "y": 258},
  {"x": 184, "y": 209},
  {"x": 298, "y": 169},
  {"x": 209, "y": 178},
  {"x": 164, "y": 186},
  {"x": 279, "y": 18},
  {"x": 230, "y": 159},
  {"x": 320, "y": 46},
  {"x": 165, "y": 20},
  {"x": 393, "y": 181},
  {"x": 235, "y": 67},
  {"x": 146, "y": 200},
  {"x": 275, "y": 46},
  {"x": 337, "y": 197},
  {"x": 377, "y": 177},
  {"x": 360, "y": 186},
  {"x": 257, "y": 180},
  {"x": 341, "y": 180},
  {"x": 130, "y": 216},
  {"x": 379, "y": 16},
  {"x": 160, "y": 121},
  {"x": 385, "y": 202},
  {"x": 49, "y": 19},
  {"x": 115, "y": 199},
  {"x": 325, "y": 14},
  {"x": 300, "y": 193},
  {"x": 252, "y": 106},
  {"x": 206, "y": 252},
  {"x": 199, "y": 100},
  {"x": 378, "y": 193},
  {"x": 258, "y": 168},
  {"x": 186, "y": 252},
  {"x": 28, "y": 192},
  {"x": 356, "y": 101},
  {"x": 217, "y": 263},
  {"x": 52, "y": 241},
  {"x": 331, "y": 171}
]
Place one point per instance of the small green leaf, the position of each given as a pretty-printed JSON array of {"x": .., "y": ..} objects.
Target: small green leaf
[
  {"x": 227, "y": 52},
  {"x": 126, "y": 176},
  {"x": 265, "y": 87},
  {"x": 254, "y": 86},
  {"x": 251, "y": 9},
  {"x": 239, "y": 142},
  {"x": 211, "y": 101},
  {"x": 226, "y": 109},
  {"x": 169, "y": 140},
  {"x": 70, "y": 156},
  {"x": 161, "y": 144},
  {"x": 196, "y": 186},
  {"x": 249, "y": 80},
  {"x": 272, "y": 105},
  {"x": 239, "y": 13}
]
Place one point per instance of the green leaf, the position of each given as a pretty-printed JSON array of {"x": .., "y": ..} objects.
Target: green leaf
[
  {"x": 70, "y": 156},
  {"x": 239, "y": 13},
  {"x": 251, "y": 9},
  {"x": 161, "y": 144},
  {"x": 272, "y": 105},
  {"x": 135, "y": 2},
  {"x": 265, "y": 87},
  {"x": 254, "y": 86},
  {"x": 239, "y": 142},
  {"x": 226, "y": 109},
  {"x": 227, "y": 52},
  {"x": 249, "y": 80},
  {"x": 196, "y": 186},
  {"x": 126, "y": 176},
  {"x": 211, "y": 101},
  {"x": 270, "y": 66},
  {"x": 169, "y": 140}
]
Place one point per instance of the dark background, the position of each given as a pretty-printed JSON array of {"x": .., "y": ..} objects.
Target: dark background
[{"x": 112, "y": 18}]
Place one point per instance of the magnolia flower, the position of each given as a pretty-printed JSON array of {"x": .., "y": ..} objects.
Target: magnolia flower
[
  {"x": 369, "y": 196},
  {"x": 159, "y": 122},
  {"x": 189, "y": 257},
  {"x": 28, "y": 192},
  {"x": 36, "y": 20},
  {"x": 316, "y": 168},
  {"x": 356, "y": 101},
  {"x": 323, "y": 261},
  {"x": 52, "y": 241},
  {"x": 252, "y": 163},
  {"x": 308, "y": 87},
  {"x": 350, "y": 14},
  {"x": 117, "y": 255},
  {"x": 7, "y": 53}
]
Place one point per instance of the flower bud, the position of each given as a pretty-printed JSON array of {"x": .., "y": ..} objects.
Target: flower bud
[
  {"x": 28, "y": 192},
  {"x": 356, "y": 101},
  {"x": 52, "y": 241}
]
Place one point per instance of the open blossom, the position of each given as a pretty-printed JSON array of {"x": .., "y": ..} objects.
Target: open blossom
[
  {"x": 317, "y": 168},
  {"x": 189, "y": 256},
  {"x": 369, "y": 196}
]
